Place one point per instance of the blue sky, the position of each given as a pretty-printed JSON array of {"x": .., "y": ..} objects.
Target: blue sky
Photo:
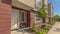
[{"x": 56, "y": 6}]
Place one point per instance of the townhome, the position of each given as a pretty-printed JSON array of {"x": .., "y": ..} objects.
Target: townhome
[
  {"x": 23, "y": 13},
  {"x": 50, "y": 12},
  {"x": 19, "y": 14}
]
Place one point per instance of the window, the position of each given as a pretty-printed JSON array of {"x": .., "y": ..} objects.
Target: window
[
  {"x": 37, "y": 17},
  {"x": 38, "y": 4},
  {"x": 22, "y": 14}
]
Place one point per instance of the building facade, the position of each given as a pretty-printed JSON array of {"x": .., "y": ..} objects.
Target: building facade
[
  {"x": 24, "y": 10},
  {"x": 16, "y": 14},
  {"x": 50, "y": 12},
  {"x": 5, "y": 16},
  {"x": 22, "y": 14}
]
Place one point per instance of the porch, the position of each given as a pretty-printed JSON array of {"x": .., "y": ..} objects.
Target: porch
[
  {"x": 22, "y": 16},
  {"x": 19, "y": 18}
]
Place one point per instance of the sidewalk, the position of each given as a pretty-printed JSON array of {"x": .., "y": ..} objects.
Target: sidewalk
[
  {"x": 28, "y": 31},
  {"x": 55, "y": 29},
  {"x": 17, "y": 32}
]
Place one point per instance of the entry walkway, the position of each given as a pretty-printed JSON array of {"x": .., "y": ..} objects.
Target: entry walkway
[
  {"x": 55, "y": 29},
  {"x": 18, "y": 32},
  {"x": 22, "y": 31}
]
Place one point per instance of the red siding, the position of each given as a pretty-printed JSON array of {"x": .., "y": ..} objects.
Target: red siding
[{"x": 5, "y": 17}]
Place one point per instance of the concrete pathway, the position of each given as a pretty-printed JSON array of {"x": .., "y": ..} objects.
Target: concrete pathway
[
  {"x": 19, "y": 32},
  {"x": 55, "y": 29}
]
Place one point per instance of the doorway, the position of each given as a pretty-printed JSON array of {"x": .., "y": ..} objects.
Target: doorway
[
  {"x": 18, "y": 19},
  {"x": 22, "y": 17}
]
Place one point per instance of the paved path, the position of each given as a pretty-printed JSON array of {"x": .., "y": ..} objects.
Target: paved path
[
  {"x": 55, "y": 29},
  {"x": 18, "y": 32}
]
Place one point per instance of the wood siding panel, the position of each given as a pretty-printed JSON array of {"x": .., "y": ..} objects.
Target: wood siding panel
[
  {"x": 5, "y": 18},
  {"x": 4, "y": 12}
]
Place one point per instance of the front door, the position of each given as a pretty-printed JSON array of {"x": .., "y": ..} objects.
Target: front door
[{"x": 22, "y": 16}]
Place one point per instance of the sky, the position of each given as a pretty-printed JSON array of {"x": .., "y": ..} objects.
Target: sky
[{"x": 56, "y": 6}]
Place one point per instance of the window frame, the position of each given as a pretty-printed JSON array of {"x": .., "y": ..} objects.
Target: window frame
[
  {"x": 36, "y": 18},
  {"x": 37, "y": 3},
  {"x": 21, "y": 16}
]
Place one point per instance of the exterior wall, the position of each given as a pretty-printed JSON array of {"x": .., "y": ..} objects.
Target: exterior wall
[
  {"x": 50, "y": 9},
  {"x": 21, "y": 5},
  {"x": 30, "y": 3},
  {"x": 5, "y": 16},
  {"x": 32, "y": 18},
  {"x": 50, "y": 19},
  {"x": 28, "y": 18},
  {"x": 14, "y": 18},
  {"x": 38, "y": 23},
  {"x": 50, "y": 12}
]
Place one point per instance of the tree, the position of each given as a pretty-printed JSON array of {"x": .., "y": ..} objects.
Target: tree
[
  {"x": 42, "y": 12},
  {"x": 57, "y": 17}
]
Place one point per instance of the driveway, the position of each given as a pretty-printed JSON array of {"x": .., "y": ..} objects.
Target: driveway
[{"x": 55, "y": 29}]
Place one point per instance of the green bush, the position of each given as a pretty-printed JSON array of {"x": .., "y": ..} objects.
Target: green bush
[
  {"x": 47, "y": 26},
  {"x": 41, "y": 32},
  {"x": 34, "y": 28},
  {"x": 51, "y": 23},
  {"x": 38, "y": 32}
]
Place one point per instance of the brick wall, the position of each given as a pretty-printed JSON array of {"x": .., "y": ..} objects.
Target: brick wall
[
  {"x": 5, "y": 17},
  {"x": 32, "y": 20}
]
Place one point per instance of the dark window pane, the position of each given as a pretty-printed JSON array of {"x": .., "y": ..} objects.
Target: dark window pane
[{"x": 23, "y": 16}]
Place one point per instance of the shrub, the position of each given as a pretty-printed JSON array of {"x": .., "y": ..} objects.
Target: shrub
[
  {"x": 41, "y": 32},
  {"x": 38, "y": 32},
  {"x": 47, "y": 26},
  {"x": 34, "y": 28},
  {"x": 51, "y": 23}
]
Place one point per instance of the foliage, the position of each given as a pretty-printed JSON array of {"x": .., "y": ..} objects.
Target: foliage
[
  {"x": 42, "y": 12},
  {"x": 34, "y": 28},
  {"x": 41, "y": 32},
  {"x": 54, "y": 19},
  {"x": 47, "y": 26},
  {"x": 57, "y": 17}
]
